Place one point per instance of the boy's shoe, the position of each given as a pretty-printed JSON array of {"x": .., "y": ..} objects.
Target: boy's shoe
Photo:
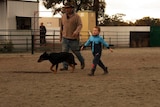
[
  {"x": 64, "y": 69},
  {"x": 105, "y": 71},
  {"x": 91, "y": 73}
]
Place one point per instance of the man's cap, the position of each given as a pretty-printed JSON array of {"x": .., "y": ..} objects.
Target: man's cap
[{"x": 68, "y": 5}]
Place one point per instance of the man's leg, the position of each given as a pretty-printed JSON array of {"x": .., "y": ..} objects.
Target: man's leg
[
  {"x": 45, "y": 39},
  {"x": 65, "y": 48},
  {"x": 74, "y": 45},
  {"x": 40, "y": 40}
]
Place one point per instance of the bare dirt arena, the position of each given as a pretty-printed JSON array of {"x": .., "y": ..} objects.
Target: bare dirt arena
[{"x": 133, "y": 81}]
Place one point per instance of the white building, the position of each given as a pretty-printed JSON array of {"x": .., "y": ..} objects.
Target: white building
[
  {"x": 16, "y": 14},
  {"x": 18, "y": 17}
]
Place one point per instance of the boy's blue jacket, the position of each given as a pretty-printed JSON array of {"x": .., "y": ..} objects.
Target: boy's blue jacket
[{"x": 96, "y": 43}]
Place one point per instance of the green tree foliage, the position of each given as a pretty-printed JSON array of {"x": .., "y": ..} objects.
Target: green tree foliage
[
  {"x": 117, "y": 20},
  {"x": 147, "y": 21},
  {"x": 114, "y": 20}
]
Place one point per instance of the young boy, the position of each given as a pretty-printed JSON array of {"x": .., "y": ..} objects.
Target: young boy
[{"x": 96, "y": 42}]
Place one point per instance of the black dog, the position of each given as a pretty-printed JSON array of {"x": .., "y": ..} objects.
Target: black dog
[{"x": 56, "y": 58}]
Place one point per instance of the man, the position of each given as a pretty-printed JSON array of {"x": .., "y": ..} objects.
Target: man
[
  {"x": 71, "y": 26},
  {"x": 42, "y": 34}
]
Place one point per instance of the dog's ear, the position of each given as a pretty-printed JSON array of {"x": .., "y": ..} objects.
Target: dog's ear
[{"x": 45, "y": 52}]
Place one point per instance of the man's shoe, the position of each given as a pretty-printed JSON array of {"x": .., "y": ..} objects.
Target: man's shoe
[
  {"x": 63, "y": 69},
  {"x": 105, "y": 71},
  {"x": 82, "y": 66}
]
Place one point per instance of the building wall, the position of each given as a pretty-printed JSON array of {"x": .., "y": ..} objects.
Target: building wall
[
  {"x": 120, "y": 35},
  {"x": 9, "y": 9},
  {"x": 20, "y": 8},
  {"x": 51, "y": 24},
  {"x": 3, "y": 15}
]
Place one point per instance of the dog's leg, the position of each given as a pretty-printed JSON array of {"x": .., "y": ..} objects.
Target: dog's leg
[
  {"x": 56, "y": 68},
  {"x": 51, "y": 68},
  {"x": 73, "y": 67}
]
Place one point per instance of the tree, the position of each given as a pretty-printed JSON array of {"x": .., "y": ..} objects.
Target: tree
[
  {"x": 117, "y": 20},
  {"x": 114, "y": 20},
  {"x": 98, "y": 6},
  {"x": 147, "y": 21}
]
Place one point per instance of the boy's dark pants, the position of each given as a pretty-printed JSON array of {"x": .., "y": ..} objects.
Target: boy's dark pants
[{"x": 96, "y": 61}]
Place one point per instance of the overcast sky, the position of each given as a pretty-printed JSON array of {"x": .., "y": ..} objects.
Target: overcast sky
[{"x": 134, "y": 9}]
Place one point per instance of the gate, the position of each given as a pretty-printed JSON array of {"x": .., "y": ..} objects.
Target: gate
[
  {"x": 155, "y": 36},
  {"x": 139, "y": 39}
]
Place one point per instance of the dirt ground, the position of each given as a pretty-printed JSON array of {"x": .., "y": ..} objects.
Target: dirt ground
[{"x": 133, "y": 81}]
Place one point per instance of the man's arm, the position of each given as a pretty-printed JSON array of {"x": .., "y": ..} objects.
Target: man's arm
[
  {"x": 79, "y": 26},
  {"x": 61, "y": 30}
]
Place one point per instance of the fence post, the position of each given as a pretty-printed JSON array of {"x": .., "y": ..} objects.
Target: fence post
[
  {"x": 104, "y": 39},
  {"x": 32, "y": 42},
  {"x": 109, "y": 40},
  {"x": 27, "y": 44}
]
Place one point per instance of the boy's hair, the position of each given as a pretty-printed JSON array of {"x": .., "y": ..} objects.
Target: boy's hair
[{"x": 97, "y": 27}]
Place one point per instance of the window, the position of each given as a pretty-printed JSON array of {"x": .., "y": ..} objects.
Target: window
[{"x": 23, "y": 23}]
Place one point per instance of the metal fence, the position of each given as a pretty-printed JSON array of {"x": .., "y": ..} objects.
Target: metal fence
[
  {"x": 15, "y": 40},
  {"x": 117, "y": 38},
  {"x": 29, "y": 40}
]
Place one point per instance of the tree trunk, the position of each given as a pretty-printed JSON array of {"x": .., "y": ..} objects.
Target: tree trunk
[{"x": 96, "y": 9}]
